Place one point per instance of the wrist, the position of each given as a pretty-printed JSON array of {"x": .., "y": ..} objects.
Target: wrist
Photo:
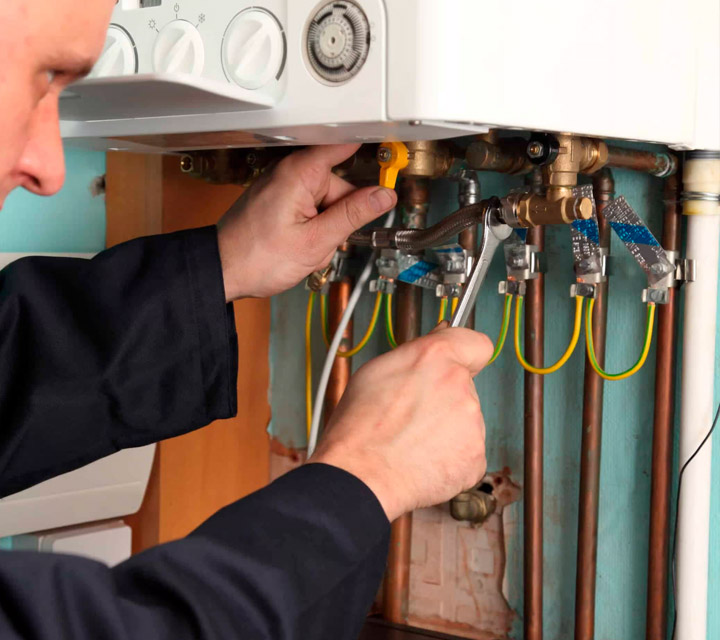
[{"x": 373, "y": 471}]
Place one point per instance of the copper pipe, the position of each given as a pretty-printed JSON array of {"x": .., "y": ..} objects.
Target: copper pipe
[
  {"x": 396, "y": 589},
  {"x": 662, "y": 451},
  {"x": 342, "y": 368},
  {"x": 657, "y": 164},
  {"x": 603, "y": 191},
  {"x": 534, "y": 426}
]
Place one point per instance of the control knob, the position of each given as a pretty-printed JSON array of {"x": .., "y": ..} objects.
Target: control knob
[
  {"x": 179, "y": 48},
  {"x": 118, "y": 57},
  {"x": 253, "y": 49}
]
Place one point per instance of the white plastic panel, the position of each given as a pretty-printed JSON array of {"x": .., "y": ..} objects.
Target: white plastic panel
[
  {"x": 640, "y": 70},
  {"x": 155, "y": 95}
]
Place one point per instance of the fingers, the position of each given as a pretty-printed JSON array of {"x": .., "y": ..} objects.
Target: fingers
[
  {"x": 337, "y": 189},
  {"x": 325, "y": 156},
  {"x": 353, "y": 211},
  {"x": 468, "y": 348}
]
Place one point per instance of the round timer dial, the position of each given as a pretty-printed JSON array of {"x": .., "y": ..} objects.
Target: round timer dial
[
  {"x": 338, "y": 41},
  {"x": 253, "y": 49},
  {"x": 179, "y": 48}
]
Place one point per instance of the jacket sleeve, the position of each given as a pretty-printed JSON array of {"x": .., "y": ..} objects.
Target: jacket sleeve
[
  {"x": 298, "y": 560},
  {"x": 131, "y": 347}
]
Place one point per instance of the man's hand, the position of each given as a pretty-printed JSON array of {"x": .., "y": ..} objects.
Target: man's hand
[
  {"x": 274, "y": 235},
  {"x": 410, "y": 424}
]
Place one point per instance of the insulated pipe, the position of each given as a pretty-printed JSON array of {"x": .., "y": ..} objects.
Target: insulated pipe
[
  {"x": 663, "y": 421},
  {"x": 396, "y": 588},
  {"x": 534, "y": 434},
  {"x": 701, "y": 177},
  {"x": 603, "y": 191},
  {"x": 342, "y": 368}
]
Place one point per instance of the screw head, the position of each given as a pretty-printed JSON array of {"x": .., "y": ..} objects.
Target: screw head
[
  {"x": 384, "y": 154},
  {"x": 658, "y": 268},
  {"x": 536, "y": 149},
  {"x": 186, "y": 164}
]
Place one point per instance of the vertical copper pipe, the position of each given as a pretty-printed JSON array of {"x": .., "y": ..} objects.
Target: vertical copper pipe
[
  {"x": 603, "y": 191},
  {"x": 340, "y": 374},
  {"x": 534, "y": 429},
  {"x": 396, "y": 589},
  {"x": 658, "y": 557}
]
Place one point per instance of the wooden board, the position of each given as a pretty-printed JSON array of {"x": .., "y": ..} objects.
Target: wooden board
[{"x": 196, "y": 474}]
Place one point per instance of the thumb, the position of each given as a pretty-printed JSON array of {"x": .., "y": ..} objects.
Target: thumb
[{"x": 355, "y": 210}]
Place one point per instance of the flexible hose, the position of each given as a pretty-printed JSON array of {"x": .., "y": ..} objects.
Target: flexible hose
[
  {"x": 308, "y": 361},
  {"x": 650, "y": 323},
  {"x": 335, "y": 345},
  {"x": 507, "y": 312},
  {"x": 420, "y": 239},
  {"x": 389, "y": 331},
  {"x": 443, "y": 310},
  {"x": 368, "y": 334},
  {"x": 568, "y": 352}
]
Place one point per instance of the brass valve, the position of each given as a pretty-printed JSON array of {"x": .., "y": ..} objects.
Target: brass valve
[
  {"x": 417, "y": 159},
  {"x": 563, "y": 157},
  {"x": 532, "y": 210}
]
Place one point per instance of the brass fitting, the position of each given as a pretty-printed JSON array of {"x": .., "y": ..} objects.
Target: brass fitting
[
  {"x": 506, "y": 155},
  {"x": 574, "y": 154},
  {"x": 473, "y": 506},
  {"x": 317, "y": 280},
  {"x": 228, "y": 166},
  {"x": 532, "y": 210},
  {"x": 427, "y": 159}
]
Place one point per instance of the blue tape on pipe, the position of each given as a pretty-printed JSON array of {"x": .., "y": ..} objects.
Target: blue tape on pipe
[
  {"x": 634, "y": 234},
  {"x": 417, "y": 271},
  {"x": 589, "y": 229}
]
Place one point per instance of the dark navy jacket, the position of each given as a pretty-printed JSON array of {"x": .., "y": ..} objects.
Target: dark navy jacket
[{"x": 129, "y": 348}]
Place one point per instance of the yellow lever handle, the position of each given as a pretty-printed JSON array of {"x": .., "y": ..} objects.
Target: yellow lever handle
[{"x": 392, "y": 157}]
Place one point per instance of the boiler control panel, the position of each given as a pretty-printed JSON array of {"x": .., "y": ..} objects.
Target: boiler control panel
[{"x": 223, "y": 41}]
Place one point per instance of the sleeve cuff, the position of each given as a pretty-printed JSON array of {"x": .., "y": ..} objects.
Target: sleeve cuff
[
  {"x": 330, "y": 497},
  {"x": 215, "y": 323}
]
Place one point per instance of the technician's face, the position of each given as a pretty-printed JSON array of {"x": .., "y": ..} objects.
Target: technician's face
[{"x": 45, "y": 45}]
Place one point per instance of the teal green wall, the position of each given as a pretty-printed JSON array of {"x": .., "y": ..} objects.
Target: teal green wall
[
  {"x": 73, "y": 221},
  {"x": 626, "y": 456}
]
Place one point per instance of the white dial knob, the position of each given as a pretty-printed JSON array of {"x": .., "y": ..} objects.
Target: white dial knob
[
  {"x": 179, "y": 48},
  {"x": 118, "y": 57},
  {"x": 253, "y": 49}
]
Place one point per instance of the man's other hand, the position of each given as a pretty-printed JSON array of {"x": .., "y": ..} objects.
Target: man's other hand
[
  {"x": 290, "y": 221},
  {"x": 410, "y": 424}
]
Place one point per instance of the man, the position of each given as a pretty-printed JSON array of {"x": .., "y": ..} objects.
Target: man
[{"x": 138, "y": 345}]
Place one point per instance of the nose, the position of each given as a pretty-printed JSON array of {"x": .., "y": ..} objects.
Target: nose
[{"x": 42, "y": 163}]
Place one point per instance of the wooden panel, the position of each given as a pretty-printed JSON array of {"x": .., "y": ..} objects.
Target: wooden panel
[
  {"x": 133, "y": 196},
  {"x": 196, "y": 474}
]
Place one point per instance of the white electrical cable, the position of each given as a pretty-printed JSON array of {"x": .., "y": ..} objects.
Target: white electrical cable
[{"x": 335, "y": 344}]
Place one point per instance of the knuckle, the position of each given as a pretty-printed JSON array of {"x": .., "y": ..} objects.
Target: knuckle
[{"x": 353, "y": 213}]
